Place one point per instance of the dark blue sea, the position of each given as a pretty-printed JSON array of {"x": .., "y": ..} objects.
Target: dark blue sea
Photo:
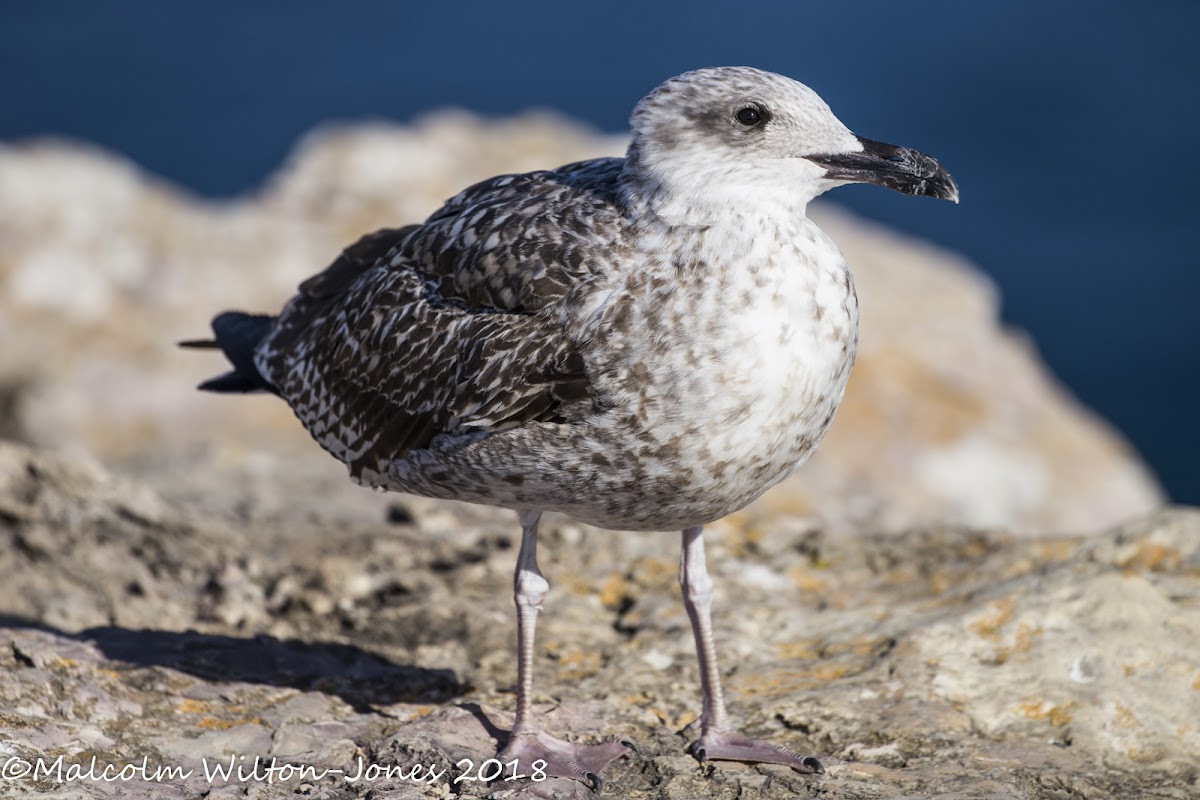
[{"x": 1073, "y": 128}]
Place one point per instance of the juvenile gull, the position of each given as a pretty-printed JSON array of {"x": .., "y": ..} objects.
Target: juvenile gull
[{"x": 646, "y": 343}]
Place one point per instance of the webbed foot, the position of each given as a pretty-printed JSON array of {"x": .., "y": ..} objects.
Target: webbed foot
[
  {"x": 536, "y": 751},
  {"x": 733, "y": 746}
]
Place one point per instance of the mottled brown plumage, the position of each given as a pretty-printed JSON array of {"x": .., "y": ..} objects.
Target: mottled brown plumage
[{"x": 450, "y": 327}]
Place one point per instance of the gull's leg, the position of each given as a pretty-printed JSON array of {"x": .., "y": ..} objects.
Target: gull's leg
[
  {"x": 528, "y": 743},
  {"x": 719, "y": 740}
]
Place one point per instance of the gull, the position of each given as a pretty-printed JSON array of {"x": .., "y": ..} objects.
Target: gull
[{"x": 644, "y": 343}]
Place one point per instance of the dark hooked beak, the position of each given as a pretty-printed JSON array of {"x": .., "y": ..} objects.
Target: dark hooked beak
[{"x": 887, "y": 165}]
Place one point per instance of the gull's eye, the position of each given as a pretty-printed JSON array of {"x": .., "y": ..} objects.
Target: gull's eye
[{"x": 750, "y": 116}]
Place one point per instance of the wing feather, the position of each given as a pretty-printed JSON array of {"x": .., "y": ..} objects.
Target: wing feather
[{"x": 447, "y": 328}]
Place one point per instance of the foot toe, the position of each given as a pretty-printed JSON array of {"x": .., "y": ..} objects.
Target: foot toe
[
  {"x": 733, "y": 746},
  {"x": 561, "y": 759}
]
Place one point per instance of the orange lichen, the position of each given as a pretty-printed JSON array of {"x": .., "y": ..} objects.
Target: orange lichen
[
  {"x": 655, "y": 571},
  {"x": 616, "y": 592},
  {"x": 1022, "y": 642},
  {"x": 1125, "y": 717},
  {"x": 621, "y": 588},
  {"x": 826, "y": 673},
  {"x": 780, "y": 682},
  {"x": 1153, "y": 557},
  {"x": 988, "y": 626},
  {"x": 742, "y": 538},
  {"x": 860, "y": 647},
  {"x": 806, "y": 580},
  {"x": 1055, "y": 550},
  {"x": 577, "y": 586},
  {"x": 1026, "y": 635},
  {"x": 1044, "y": 711},
  {"x": 576, "y": 664},
  {"x": 865, "y": 645},
  {"x": 802, "y": 649}
]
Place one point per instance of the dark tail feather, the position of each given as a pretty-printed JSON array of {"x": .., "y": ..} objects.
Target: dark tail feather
[{"x": 238, "y": 335}]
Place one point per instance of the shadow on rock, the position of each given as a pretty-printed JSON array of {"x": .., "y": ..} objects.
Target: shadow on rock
[{"x": 361, "y": 678}]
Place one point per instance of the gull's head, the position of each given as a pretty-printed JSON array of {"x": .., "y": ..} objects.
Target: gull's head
[{"x": 736, "y": 135}]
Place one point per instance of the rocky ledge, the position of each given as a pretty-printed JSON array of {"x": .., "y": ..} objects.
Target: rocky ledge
[{"x": 937, "y": 662}]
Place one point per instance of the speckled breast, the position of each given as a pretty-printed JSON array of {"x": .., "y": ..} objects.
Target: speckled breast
[{"x": 738, "y": 383}]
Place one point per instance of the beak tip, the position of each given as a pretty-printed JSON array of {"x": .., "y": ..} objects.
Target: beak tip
[{"x": 945, "y": 187}]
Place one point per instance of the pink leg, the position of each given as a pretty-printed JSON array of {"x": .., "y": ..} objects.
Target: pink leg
[
  {"x": 719, "y": 740},
  {"x": 528, "y": 743}
]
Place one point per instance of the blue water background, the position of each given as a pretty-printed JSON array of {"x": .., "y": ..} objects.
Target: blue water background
[{"x": 1073, "y": 128}]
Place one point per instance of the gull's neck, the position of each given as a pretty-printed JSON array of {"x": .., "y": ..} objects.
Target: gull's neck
[{"x": 684, "y": 192}]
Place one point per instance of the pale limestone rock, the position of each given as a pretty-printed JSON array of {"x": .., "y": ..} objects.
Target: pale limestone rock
[
  {"x": 1056, "y": 651},
  {"x": 1108, "y": 664}
]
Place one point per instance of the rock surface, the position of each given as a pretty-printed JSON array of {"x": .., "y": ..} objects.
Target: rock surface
[
  {"x": 937, "y": 662},
  {"x": 939, "y": 604},
  {"x": 947, "y": 417}
]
